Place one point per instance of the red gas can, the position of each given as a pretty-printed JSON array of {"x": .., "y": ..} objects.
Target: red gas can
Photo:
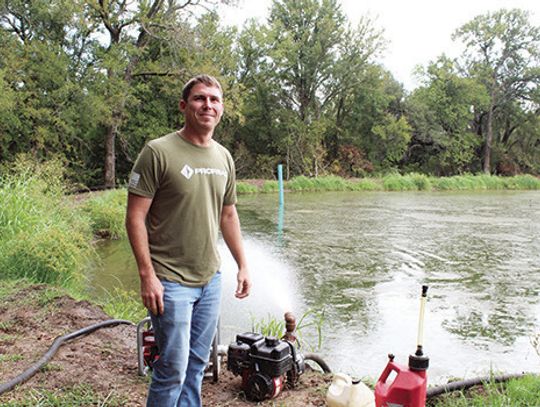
[{"x": 407, "y": 389}]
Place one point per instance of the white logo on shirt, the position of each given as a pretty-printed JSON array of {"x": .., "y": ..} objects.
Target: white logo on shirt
[{"x": 188, "y": 172}]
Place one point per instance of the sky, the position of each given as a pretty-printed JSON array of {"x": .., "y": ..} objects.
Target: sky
[{"x": 417, "y": 31}]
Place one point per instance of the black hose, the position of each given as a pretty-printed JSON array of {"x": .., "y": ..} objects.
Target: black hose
[
  {"x": 466, "y": 384},
  {"x": 316, "y": 358},
  {"x": 59, "y": 341}
]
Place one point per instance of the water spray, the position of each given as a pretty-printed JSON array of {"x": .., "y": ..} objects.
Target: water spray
[{"x": 408, "y": 387}]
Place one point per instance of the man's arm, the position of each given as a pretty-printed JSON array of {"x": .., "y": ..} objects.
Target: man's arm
[
  {"x": 230, "y": 229},
  {"x": 151, "y": 287}
]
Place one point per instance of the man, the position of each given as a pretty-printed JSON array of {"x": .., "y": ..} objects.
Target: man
[{"x": 181, "y": 192}]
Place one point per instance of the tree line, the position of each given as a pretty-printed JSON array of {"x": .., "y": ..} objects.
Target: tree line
[{"x": 90, "y": 81}]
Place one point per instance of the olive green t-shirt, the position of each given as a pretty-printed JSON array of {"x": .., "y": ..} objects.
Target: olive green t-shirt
[{"x": 188, "y": 185}]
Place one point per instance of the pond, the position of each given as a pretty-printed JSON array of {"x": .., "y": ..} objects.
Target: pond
[{"x": 361, "y": 258}]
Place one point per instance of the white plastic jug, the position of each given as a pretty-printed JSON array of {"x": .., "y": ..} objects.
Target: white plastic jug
[{"x": 343, "y": 392}]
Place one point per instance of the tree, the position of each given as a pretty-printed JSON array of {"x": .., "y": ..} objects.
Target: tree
[
  {"x": 442, "y": 112},
  {"x": 44, "y": 96},
  {"x": 131, "y": 28},
  {"x": 502, "y": 53},
  {"x": 311, "y": 60}
]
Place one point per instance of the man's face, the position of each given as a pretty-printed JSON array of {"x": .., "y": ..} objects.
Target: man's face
[{"x": 204, "y": 107}]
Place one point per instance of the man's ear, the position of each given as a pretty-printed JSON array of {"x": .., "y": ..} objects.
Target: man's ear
[{"x": 182, "y": 105}]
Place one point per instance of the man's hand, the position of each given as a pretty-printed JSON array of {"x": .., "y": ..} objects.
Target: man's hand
[
  {"x": 152, "y": 294},
  {"x": 244, "y": 284}
]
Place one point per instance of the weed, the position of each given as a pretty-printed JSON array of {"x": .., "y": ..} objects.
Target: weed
[
  {"x": 11, "y": 358},
  {"x": 107, "y": 212},
  {"x": 6, "y": 325},
  {"x": 275, "y": 327},
  {"x": 124, "y": 304},
  {"x": 80, "y": 395}
]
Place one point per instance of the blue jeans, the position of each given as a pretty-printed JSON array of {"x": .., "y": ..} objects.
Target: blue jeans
[{"x": 184, "y": 335}]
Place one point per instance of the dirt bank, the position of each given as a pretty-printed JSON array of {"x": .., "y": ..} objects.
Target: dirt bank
[{"x": 102, "y": 365}]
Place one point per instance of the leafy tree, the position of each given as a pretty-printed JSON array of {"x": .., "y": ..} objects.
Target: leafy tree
[
  {"x": 310, "y": 60},
  {"x": 372, "y": 119},
  {"x": 502, "y": 53},
  {"x": 43, "y": 98},
  {"x": 442, "y": 114}
]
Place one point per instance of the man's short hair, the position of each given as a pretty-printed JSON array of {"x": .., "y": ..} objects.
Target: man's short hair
[{"x": 204, "y": 79}]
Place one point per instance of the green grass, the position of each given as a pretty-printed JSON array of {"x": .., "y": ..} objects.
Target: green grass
[
  {"x": 523, "y": 392},
  {"x": 80, "y": 395},
  {"x": 270, "y": 186},
  {"x": 11, "y": 358},
  {"x": 123, "y": 304},
  {"x": 326, "y": 183},
  {"x": 107, "y": 211},
  {"x": 365, "y": 184},
  {"x": 310, "y": 320},
  {"x": 245, "y": 188},
  {"x": 397, "y": 182},
  {"x": 43, "y": 238}
]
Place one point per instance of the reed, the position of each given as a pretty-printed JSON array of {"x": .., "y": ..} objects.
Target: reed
[
  {"x": 326, "y": 183},
  {"x": 397, "y": 182},
  {"x": 107, "y": 211},
  {"x": 246, "y": 188},
  {"x": 43, "y": 238},
  {"x": 364, "y": 184},
  {"x": 270, "y": 186}
]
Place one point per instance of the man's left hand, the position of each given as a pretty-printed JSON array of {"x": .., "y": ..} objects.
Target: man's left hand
[{"x": 244, "y": 284}]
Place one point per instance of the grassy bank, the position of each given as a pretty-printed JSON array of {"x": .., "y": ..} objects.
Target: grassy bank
[
  {"x": 396, "y": 182},
  {"x": 43, "y": 238},
  {"x": 46, "y": 237}
]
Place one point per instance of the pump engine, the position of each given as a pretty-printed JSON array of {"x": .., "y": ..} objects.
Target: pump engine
[{"x": 266, "y": 364}]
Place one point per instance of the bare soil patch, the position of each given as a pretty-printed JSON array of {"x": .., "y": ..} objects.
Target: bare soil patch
[{"x": 106, "y": 360}]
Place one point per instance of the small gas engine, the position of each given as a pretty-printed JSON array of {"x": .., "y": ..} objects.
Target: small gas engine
[{"x": 265, "y": 364}]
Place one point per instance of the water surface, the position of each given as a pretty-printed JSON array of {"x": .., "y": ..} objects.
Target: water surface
[{"x": 362, "y": 258}]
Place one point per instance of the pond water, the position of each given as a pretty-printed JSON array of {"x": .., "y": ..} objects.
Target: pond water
[{"x": 361, "y": 258}]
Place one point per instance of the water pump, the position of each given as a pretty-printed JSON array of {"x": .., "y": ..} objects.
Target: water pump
[{"x": 266, "y": 364}]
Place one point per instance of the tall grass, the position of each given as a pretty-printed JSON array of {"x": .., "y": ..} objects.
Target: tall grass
[
  {"x": 245, "y": 188},
  {"x": 327, "y": 183},
  {"x": 309, "y": 321},
  {"x": 523, "y": 392},
  {"x": 107, "y": 211},
  {"x": 43, "y": 238},
  {"x": 398, "y": 182},
  {"x": 123, "y": 304}
]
